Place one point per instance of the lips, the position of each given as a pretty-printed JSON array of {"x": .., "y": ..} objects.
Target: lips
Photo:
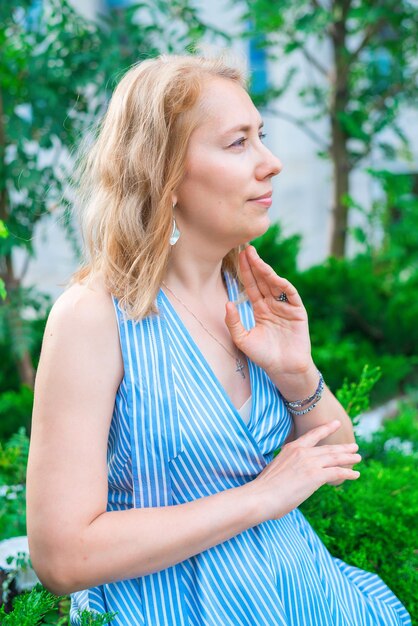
[{"x": 266, "y": 196}]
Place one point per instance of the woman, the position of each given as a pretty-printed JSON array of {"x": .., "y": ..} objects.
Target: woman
[{"x": 162, "y": 393}]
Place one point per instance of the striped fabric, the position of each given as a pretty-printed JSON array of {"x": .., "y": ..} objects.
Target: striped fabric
[{"x": 175, "y": 436}]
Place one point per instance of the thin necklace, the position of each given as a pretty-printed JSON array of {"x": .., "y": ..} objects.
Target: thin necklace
[{"x": 240, "y": 365}]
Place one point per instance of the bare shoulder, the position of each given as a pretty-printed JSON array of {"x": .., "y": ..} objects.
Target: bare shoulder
[
  {"x": 78, "y": 375},
  {"x": 77, "y": 381},
  {"x": 86, "y": 304},
  {"x": 83, "y": 321}
]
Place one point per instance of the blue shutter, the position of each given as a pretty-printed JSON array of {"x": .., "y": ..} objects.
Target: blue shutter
[
  {"x": 118, "y": 4},
  {"x": 258, "y": 66},
  {"x": 34, "y": 15}
]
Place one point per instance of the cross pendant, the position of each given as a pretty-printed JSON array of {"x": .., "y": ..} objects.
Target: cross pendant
[{"x": 240, "y": 367}]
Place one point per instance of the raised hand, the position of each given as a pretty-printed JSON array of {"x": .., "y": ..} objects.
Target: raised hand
[
  {"x": 279, "y": 341},
  {"x": 301, "y": 468}
]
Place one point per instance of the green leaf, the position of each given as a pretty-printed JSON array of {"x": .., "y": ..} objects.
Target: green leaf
[
  {"x": 3, "y": 230},
  {"x": 29, "y": 608},
  {"x": 3, "y": 292},
  {"x": 88, "y": 618},
  {"x": 355, "y": 396}
]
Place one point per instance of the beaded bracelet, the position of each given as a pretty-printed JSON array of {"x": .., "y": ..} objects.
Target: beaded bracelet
[
  {"x": 314, "y": 398},
  {"x": 304, "y": 411}
]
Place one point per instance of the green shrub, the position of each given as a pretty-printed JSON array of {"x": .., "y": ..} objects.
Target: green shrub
[
  {"x": 279, "y": 251},
  {"x": 9, "y": 376},
  {"x": 361, "y": 310},
  {"x": 371, "y": 523},
  {"x": 397, "y": 434},
  {"x": 13, "y": 461},
  {"x": 15, "y": 410},
  {"x": 39, "y": 606},
  {"x": 355, "y": 397},
  {"x": 29, "y": 609},
  {"x": 19, "y": 335}
]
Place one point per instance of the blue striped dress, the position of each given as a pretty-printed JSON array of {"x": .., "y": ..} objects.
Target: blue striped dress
[{"x": 175, "y": 436}]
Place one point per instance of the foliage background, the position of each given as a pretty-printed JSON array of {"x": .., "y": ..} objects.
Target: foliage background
[{"x": 57, "y": 70}]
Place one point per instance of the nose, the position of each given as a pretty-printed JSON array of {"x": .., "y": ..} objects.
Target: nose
[{"x": 268, "y": 164}]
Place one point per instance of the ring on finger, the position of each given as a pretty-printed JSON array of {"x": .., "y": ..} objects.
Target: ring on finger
[{"x": 282, "y": 297}]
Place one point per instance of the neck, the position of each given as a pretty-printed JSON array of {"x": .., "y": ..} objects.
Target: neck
[{"x": 194, "y": 271}]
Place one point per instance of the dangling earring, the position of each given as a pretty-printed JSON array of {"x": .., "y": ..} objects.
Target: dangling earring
[{"x": 175, "y": 233}]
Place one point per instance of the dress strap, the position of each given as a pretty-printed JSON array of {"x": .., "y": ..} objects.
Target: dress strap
[{"x": 155, "y": 440}]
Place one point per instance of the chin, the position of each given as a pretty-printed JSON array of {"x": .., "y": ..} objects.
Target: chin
[{"x": 259, "y": 229}]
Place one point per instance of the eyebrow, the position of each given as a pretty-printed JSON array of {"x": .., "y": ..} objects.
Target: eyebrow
[{"x": 245, "y": 128}]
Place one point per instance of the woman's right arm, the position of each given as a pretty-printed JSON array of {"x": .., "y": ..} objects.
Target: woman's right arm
[{"x": 74, "y": 542}]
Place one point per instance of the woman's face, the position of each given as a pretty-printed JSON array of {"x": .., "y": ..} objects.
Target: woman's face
[{"x": 227, "y": 168}]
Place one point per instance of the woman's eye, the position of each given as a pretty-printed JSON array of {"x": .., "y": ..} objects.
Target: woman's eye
[{"x": 239, "y": 142}]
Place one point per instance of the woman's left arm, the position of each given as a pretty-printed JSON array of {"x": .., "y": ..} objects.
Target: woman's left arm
[
  {"x": 279, "y": 342},
  {"x": 327, "y": 409}
]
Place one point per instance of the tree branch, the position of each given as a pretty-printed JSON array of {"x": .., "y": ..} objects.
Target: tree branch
[
  {"x": 346, "y": 5},
  {"x": 378, "y": 107},
  {"x": 372, "y": 30},
  {"x": 300, "y": 124},
  {"x": 317, "y": 5},
  {"x": 392, "y": 90},
  {"x": 356, "y": 160},
  {"x": 309, "y": 57},
  {"x": 25, "y": 267},
  {"x": 3, "y": 188},
  {"x": 371, "y": 331}
]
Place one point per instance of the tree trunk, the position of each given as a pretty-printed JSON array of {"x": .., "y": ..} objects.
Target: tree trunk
[
  {"x": 24, "y": 360},
  {"x": 3, "y": 192},
  {"x": 339, "y": 211},
  {"x": 339, "y": 139}
]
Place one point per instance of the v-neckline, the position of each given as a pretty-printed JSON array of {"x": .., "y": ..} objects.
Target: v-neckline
[{"x": 207, "y": 367}]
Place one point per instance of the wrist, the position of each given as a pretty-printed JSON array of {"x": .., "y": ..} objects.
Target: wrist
[
  {"x": 256, "y": 502},
  {"x": 297, "y": 385}
]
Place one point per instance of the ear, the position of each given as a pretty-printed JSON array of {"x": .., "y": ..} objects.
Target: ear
[{"x": 173, "y": 201}]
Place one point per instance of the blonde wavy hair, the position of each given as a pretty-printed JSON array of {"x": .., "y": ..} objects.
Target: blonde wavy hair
[{"x": 129, "y": 174}]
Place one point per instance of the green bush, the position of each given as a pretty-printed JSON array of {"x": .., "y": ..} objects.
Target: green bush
[
  {"x": 371, "y": 523},
  {"x": 279, "y": 251},
  {"x": 355, "y": 396},
  {"x": 361, "y": 310},
  {"x": 18, "y": 336},
  {"x": 15, "y": 410},
  {"x": 354, "y": 305},
  {"x": 39, "y": 607},
  {"x": 13, "y": 461}
]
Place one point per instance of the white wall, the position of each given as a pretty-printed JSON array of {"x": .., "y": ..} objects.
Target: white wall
[{"x": 302, "y": 190}]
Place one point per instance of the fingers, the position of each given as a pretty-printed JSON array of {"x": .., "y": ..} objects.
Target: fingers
[
  {"x": 251, "y": 286},
  {"x": 333, "y": 455},
  {"x": 269, "y": 284},
  {"x": 350, "y": 448},
  {"x": 254, "y": 263},
  {"x": 301, "y": 468},
  {"x": 335, "y": 460},
  {"x": 234, "y": 324},
  {"x": 340, "y": 474},
  {"x": 340, "y": 459}
]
